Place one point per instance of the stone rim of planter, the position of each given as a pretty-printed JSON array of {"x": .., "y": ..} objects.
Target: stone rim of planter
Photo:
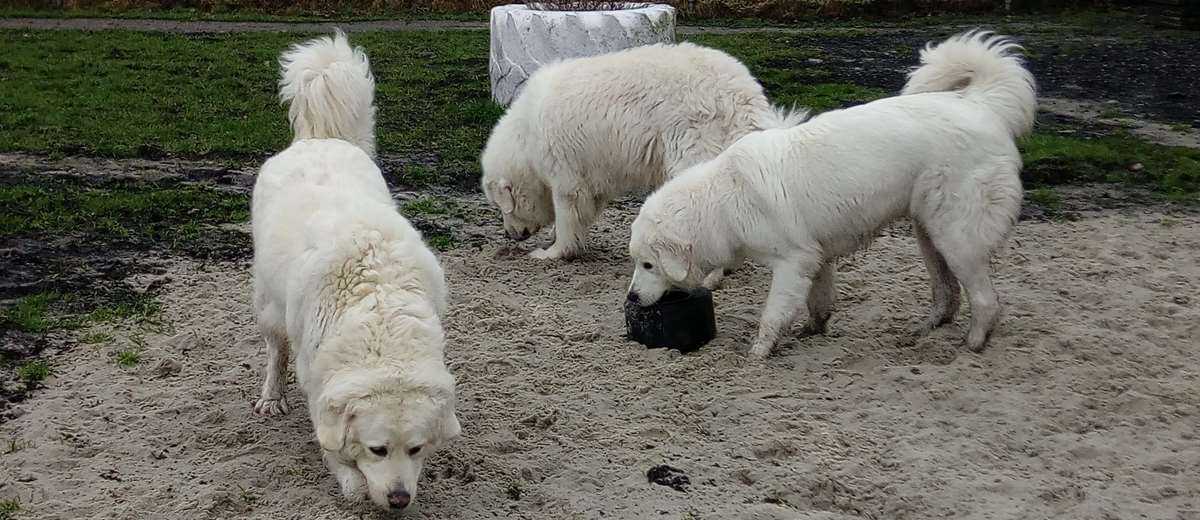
[{"x": 523, "y": 38}]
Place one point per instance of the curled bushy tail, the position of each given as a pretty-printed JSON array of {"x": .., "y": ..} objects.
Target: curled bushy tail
[
  {"x": 779, "y": 117},
  {"x": 987, "y": 69},
  {"x": 330, "y": 90}
]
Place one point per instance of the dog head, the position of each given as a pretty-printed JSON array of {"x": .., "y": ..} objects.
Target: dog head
[
  {"x": 663, "y": 250},
  {"x": 525, "y": 204},
  {"x": 385, "y": 427},
  {"x": 509, "y": 182}
]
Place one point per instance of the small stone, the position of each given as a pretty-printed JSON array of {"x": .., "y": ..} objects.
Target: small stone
[
  {"x": 167, "y": 367},
  {"x": 1181, "y": 300},
  {"x": 26, "y": 478}
]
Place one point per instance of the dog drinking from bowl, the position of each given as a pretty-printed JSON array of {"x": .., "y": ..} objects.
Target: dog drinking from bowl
[
  {"x": 344, "y": 281},
  {"x": 943, "y": 154}
]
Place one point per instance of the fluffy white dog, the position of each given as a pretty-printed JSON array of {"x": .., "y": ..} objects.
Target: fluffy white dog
[
  {"x": 586, "y": 130},
  {"x": 345, "y": 281},
  {"x": 942, "y": 155}
]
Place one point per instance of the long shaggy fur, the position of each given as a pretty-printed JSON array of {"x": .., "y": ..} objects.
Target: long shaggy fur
[
  {"x": 589, "y": 129},
  {"x": 344, "y": 282},
  {"x": 797, "y": 199},
  {"x": 986, "y": 68},
  {"x": 330, "y": 91}
]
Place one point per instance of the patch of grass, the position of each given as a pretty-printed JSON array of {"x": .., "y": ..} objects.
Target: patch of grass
[
  {"x": 96, "y": 338},
  {"x": 441, "y": 241},
  {"x": 140, "y": 307},
  {"x": 786, "y": 70},
  {"x": 33, "y": 371},
  {"x": 431, "y": 205},
  {"x": 177, "y": 218},
  {"x": 15, "y": 445},
  {"x": 226, "y": 12},
  {"x": 1055, "y": 159},
  {"x": 31, "y": 314},
  {"x": 128, "y": 358},
  {"x": 140, "y": 94},
  {"x": 1046, "y": 198},
  {"x": 9, "y": 509}
]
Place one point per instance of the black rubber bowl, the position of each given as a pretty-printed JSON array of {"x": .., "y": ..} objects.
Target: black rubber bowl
[{"x": 680, "y": 319}]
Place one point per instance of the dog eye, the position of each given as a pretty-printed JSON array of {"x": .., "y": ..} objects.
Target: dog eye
[
  {"x": 414, "y": 450},
  {"x": 379, "y": 450},
  {"x": 647, "y": 265}
]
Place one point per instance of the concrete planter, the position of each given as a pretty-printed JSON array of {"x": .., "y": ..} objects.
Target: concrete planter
[{"x": 523, "y": 39}]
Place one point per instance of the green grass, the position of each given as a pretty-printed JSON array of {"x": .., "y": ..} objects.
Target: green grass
[
  {"x": 435, "y": 209},
  {"x": 173, "y": 217},
  {"x": 31, "y": 314},
  {"x": 9, "y": 509},
  {"x": 96, "y": 338},
  {"x": 224, "y": 13},
  {"x": 33, "y": 371},
  {"x": 1046, "y": 198},
  {"x": 139, "y": 307},
  {"x": 128, "y": 358},
  {"x": 130, "y": 94},
  {"x": 1055, "y": 159}
]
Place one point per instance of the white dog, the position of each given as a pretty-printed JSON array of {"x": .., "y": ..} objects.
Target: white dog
[
  {"x": 345, "y": 281},
  {"x": 943, "y": 155},
  {"x": 586, "y": 130}
]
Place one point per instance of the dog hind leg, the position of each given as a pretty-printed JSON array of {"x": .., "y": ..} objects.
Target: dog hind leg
[
  {"x": 943, "y": 284},
  {"x": 821, "y": 299}
]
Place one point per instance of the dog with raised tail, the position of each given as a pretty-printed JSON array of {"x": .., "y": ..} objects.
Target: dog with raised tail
[
  {"x": 943, "y": 154},
  {"x": 347, "y": 284}
]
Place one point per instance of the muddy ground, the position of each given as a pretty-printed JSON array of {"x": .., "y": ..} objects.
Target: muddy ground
[{"x": 1084, "y": 407}]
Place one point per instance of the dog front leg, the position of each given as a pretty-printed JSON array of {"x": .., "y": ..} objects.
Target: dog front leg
[
  {"x": 272, "y": 400},
  {"x": 352, "y": 482},
  {"x": 573, "y": 215},
  {"x": 789, "y": 291}
]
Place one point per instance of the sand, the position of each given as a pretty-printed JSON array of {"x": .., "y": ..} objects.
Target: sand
[{"x": 1084, "y": 406}]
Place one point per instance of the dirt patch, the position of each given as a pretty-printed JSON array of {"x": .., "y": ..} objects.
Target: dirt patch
[
  {"x": 1139, "y": 73},
  {"x": 1083, "y": 407}
]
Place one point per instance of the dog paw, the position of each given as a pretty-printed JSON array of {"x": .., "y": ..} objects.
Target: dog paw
[
  {"x": 713, "y": 281},
  {"x": 759, "y": 351},
  {"x": 271, "y": 407},
  {"x": 548, "y": 254}
]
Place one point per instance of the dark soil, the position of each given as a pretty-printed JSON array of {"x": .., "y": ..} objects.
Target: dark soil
[{"x": 1147, "y": 74}]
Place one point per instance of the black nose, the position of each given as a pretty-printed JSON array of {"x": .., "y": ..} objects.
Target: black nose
[
  {"x": 633, "y": 297},
  {"x": 399, "y": 499}
]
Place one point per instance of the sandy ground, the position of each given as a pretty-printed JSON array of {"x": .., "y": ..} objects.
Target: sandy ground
[{"x": 1085, "y": 406}]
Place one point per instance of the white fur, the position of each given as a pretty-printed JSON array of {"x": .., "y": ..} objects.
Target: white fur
[
  {"x": 586, "y": 130},
  {"x": 345, "y": 282},
  {"x": 330, "y": 91},
  {"x": 799, "y": 198}
]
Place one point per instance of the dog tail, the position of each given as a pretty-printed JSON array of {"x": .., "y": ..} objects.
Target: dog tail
[
  {"x": 780, "y": 117},
  {"x": 330, "y": 91},
  {"x": 985, "y": 67}
]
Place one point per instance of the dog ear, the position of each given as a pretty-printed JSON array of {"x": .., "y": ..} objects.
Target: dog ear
[
  {"x": 451, "y": 429},
  {"x": 505, "y": 198},
  {"x": 333, "y": 419},
  {"x": 674, "y": 264}
]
